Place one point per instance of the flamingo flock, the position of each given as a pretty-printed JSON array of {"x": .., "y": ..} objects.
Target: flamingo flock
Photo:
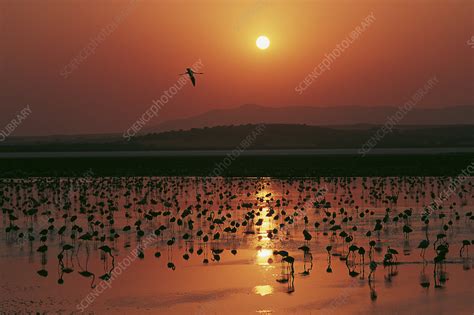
[{"x": 349, "y": 218}]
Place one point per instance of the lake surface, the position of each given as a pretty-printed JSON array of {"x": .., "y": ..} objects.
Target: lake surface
[{"x": 190, "y": 245}]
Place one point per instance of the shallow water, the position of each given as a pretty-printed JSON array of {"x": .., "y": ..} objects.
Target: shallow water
[{"x": 253, "y": 278}]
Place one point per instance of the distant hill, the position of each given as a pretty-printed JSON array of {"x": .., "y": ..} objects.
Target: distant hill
[
  {"x": 317, "y": 116},
  {"x": 282, "y": 136}
]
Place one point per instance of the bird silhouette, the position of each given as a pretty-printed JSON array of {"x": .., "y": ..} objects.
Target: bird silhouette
[
  {"x": 423, "y": 245},
  {"x": 190, "y": 72}
]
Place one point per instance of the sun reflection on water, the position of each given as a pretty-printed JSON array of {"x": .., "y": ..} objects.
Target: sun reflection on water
[
  {"x": 264, "y": 253},
  {"x": 262, "y": 257},
  {"x": 263, "y": 290}
]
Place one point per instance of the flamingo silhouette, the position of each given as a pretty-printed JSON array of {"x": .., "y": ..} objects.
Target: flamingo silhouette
[
  {"x": 190, "y": 72},
  {"x": 423, "y": 245},
  {"x": 465, "y": 244}
]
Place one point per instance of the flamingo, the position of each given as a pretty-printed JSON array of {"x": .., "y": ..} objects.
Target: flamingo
[
  {"x": 190, "y": 72},
  {"x": 465, "y": 244},
  {"x": 423, "y": 245}
]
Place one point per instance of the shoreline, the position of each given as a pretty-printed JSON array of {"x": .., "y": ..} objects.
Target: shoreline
[
  {"x": 225, "y": 152},
  {"x": 447, "y": 164}
]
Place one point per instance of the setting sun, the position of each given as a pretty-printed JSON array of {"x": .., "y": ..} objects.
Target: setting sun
[{"x": 263, "y": 42}]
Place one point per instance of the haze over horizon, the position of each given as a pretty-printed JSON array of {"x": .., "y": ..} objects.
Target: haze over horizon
[
  {"x": 337, "y": 117},
  {"x": 407, "y": 44}
]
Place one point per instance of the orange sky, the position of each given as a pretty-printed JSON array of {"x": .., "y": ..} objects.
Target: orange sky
[{"x": 410, "y": 41}]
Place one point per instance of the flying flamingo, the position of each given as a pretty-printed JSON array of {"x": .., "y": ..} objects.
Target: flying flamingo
[{"x": 191, "y": 74}]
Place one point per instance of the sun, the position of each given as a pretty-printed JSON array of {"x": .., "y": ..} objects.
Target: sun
[{"x": 263, "y": 42}]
